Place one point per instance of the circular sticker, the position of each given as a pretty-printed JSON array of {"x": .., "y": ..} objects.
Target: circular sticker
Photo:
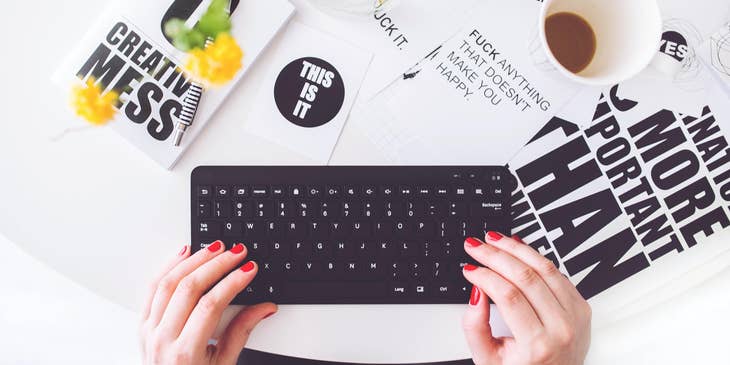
[{"x": 309, "y": 92}]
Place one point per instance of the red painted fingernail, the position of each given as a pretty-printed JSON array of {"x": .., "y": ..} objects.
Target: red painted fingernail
[
  {"x": 469, "y": 267},
  {"x": 474, "y": 297},
  {"x": 269, "y": 315},
  {"x": 237, "y": 248},
  {"x": 215, "y": 246},
  {"x": 517, "y": 238},
  {"x": 494, "y": 236},
  {"x": 247, "y": 266},
  {"x": 182, "y": 252},
  {"x": 473, "y": 242}
]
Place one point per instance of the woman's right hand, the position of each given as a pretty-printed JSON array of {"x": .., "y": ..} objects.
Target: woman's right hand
[
  {"x": 550, "y": 320},
  {"x": 186, "y": 303}
]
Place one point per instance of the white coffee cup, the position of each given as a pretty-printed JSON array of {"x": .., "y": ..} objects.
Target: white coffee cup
[{"x": 627, "y": 33}]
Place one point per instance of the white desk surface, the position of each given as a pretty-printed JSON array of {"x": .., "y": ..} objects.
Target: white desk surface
[{"x": 97, "y": 217}]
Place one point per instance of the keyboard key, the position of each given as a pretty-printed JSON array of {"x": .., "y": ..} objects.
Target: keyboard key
[
  {"x": 277, "y": 191},
  {"x": 302, "y": 249},
  {"x": 204, "y": 209},
  {"x": 242, "y": 209},
  {"x": 260, "y": 191},
  {"x": 344, "y": 250},
  {"x": 370, "y": 191},
  {"x": 222, "y": 192},
  {"x": 204, "y": 191},
  {"x": 258, "y": 250},
  {"x": 314, "y": 191},
  {"x": 210, "y": 229},
  {"x": 296, "y": 191},
  {"x": 233, "y": 229},
  {"x": 333, "y": 191},
  {"x": 240, "y": 191},
  {"x": 222, "y": 209}
]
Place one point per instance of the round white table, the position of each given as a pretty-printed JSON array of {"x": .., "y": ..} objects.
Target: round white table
[{"x": 103, "y": 214}]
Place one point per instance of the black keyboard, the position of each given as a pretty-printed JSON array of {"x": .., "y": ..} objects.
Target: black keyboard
[{"x": 350, "y": 234}]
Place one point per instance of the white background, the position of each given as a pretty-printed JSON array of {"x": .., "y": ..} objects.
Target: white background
[{"x": 89, "y": 219}]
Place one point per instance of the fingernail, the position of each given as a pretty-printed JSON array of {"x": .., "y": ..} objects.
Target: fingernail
[
  {"x": 215, "y": 246},
  {"x": 247, "y": 267},
  {"x": 494, "y": 236},
  {"x": 268, "y": 315},
  {"x": 517, "y": 238},
  {"x": 474, "y": 297},
  {"x": 469, "y": 267},
  {"x": 473, "y": 242},
  {"x": 183, "y": 250},
  {"x": 237, "y": 248}
]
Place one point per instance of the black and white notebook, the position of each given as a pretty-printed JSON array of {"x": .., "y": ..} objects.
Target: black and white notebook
[{"x": 126, "y": 50}]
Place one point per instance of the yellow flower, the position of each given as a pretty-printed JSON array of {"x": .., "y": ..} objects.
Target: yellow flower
[
  {"x": 218, "y": 63},
  {"x": 90, "y": 103}
]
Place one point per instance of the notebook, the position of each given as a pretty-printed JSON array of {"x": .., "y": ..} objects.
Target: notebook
[{"x": 127, "y": 50}]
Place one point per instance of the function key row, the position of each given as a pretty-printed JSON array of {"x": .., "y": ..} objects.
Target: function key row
[{"x": 206, "y": 191}]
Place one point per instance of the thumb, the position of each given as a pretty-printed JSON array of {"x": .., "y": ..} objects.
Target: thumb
[
  {"x": 235, "y": 336},
  {"x": 478, "y": 332}
]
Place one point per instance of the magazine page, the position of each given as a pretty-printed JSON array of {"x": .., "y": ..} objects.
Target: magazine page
[{"x": 126, "y": 51}]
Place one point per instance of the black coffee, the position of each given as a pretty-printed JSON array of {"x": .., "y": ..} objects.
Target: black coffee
[{"x": 571, "y": 40}]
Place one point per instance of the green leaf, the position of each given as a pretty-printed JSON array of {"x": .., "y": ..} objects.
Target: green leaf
[
  {"x": 215, "y": 20},
  {"x": 175, "y": 27}
]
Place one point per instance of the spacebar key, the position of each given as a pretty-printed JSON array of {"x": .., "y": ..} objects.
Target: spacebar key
[{"x": 300, "y": 292}]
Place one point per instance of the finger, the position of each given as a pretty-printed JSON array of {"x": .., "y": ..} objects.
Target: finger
[
  {"x": 182, "y": 255},
  {"x": 236, "y": 335},
  {"x": 484, "y": 347},
  {"x": 207, "y": 313},
  {"x": 192, "y": 287},
  {"x": 564, "y": 290},
  {"x": 171, "y": 280},
  {"x": 527, "y": 280},
  {"x": 514, "y": 307}
]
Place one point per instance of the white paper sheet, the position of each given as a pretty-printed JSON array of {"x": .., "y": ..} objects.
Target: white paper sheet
[
  {"x": 308, "y": 92},
  {"x": 397, "y": 38},
  {"x": 446, "y": 114}
]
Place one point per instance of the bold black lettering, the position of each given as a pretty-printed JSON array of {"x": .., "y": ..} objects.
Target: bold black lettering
[
  {"x": 675, "y": 169},
  {"x": 643, "y": 187},
  {"x": 142, "y": 51},
  {"x": 553, "y": 124},
  {"x": 703, "y": 129},
  {"x": 601, "y": 208},
  {"x": 674, "y": 244},
  {"x": 118, "y": 29},
  {"x": 695, "y": 196},
  {"x": 101, "y": 67},
  {"x": 181, "y": 86},
  {"x": 601, "y": 109},
  {"x": 623, "y": 105},
  {"x": 704, "y": 224},
  {"x": 613, "y": 151},
  {"x": 623, "y": 172},
  {"x": 642, "y": 209},
  {"x": 654, "y": 229},
  {"x": 720, "y": 161},
  {"x": 162, "y": 130},
  {"x": 710, "y": 149},
  {"x": 555, "y": 163},
  {"x": 604, "y": 258},
  {"x": 140, "y": 113},
  {"x": 150, "y": 64},
  {"x": 608, "y": 128},
  {"x": 654, "y": 133},
  {"x": 122, "y": 85}
]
